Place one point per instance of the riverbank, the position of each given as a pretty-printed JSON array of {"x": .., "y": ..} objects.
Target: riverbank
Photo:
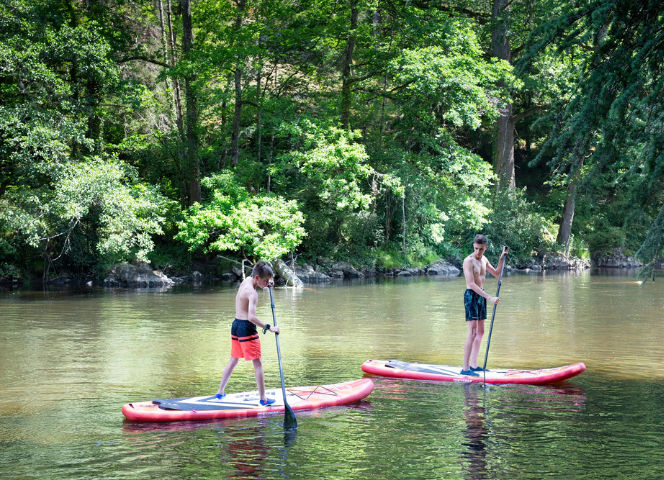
[{"x": 293, "y": 272}]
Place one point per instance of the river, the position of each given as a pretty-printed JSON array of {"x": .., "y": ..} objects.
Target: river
[{"x": 69, "y": 360}]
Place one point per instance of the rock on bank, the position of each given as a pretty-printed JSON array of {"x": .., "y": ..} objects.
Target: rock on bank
[{"x": 139, "y": 275}]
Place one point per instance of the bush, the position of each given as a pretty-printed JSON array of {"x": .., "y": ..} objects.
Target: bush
[
  {"x": 604, "y": 238},
  {"x": 259, "y": 226},
  {"x": 418, "y": 256}
]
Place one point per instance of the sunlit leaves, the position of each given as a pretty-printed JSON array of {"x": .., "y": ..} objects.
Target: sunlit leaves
[
  {"x": 452, "y": 82},
  {"x": 260, "y": 226},
  {"x": 336, "y": 165}
]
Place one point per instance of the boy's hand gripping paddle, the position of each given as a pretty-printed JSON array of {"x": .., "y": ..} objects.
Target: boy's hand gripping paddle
[{"x": 500, "y": 280}]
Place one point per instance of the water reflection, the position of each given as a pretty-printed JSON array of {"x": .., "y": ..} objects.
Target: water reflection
[
  {"x": 485, "y": 441},
  {"x": 474, "y": 457},
  {"x": 245, "y": 452},
  {"x": 290, "y": 439},
  {"x": 245, "y": 447},
  {"x": 564, "y": 397},
  {"x": 615, "y": 272}
]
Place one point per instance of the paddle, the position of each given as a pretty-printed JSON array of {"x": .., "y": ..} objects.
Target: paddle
[
  {"x": 290, "y": 422},
  {"x": 500, "y": 280}
]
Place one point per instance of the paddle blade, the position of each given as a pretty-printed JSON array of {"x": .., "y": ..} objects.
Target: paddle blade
[{"x": 290, "y": 422}]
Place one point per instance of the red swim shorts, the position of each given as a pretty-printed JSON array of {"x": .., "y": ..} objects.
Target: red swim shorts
[{"x": 244, "y": 340}]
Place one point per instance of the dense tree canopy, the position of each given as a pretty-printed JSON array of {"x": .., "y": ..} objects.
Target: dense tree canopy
[{"x": 346, "y": 129}]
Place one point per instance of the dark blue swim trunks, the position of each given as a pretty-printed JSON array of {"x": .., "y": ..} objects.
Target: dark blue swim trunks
[{"x": 475, "y": 305}]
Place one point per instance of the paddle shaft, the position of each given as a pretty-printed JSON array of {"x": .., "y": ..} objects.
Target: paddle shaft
[
  {"x": 493, "y": 316},
  {"x": 290, "y": 422}
]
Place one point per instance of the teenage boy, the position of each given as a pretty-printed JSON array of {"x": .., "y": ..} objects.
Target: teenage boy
[
  {"x": 475, "y": 267},
  {"x": 244, "y": 336}
]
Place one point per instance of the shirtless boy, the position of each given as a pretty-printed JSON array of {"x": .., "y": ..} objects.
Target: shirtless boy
[
  {"x": 244, "y": 336},
  {"x": 475, "y": 267}
]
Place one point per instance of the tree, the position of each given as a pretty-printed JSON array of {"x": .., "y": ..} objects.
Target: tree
[
  {"x": 192, "y": 108},
  {"x": 610, "y": 124},
  {"x": 94, "y": 207}
]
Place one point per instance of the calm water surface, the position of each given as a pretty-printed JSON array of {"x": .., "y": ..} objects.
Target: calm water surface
[{"x": 70, "y": 360}]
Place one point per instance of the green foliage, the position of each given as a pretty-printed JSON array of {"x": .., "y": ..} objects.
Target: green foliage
[
  {"x": 449, "y": 81},
  {"x": 91, "y": 138},
  {"x": 516, "y": 223},
  {"x": 333, "y": 166},
  {"x": 328, "y": 172},
  {"x": 336, "y": 168},
  {"x": 96, "y": 207},
  {"x": 612, "y": 122},
  {"x": 258, "y": 226},
  {"x": 604, "y": 237},
  {"x": 391, "y": 258},
  {"x": 653, "y": 247},
  {"x": 171, "y": 257}
]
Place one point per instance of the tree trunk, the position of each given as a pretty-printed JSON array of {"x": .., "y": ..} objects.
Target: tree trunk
[
  {"x": 235, "y": 147},
  {"x": 348, "y": 60},
  {"x": 388, "y": 218},
  {"x": 565, "y": 230},
  {"x": 286, "y": 273},
  {"x": 269, "y": 164},
  {"x": 382, "y": 108},
  {"x": 224, "y": 104},
  {"x": 403, "y": 214},
  {"x": 164, "y": 42},
  {"x": 93, "y": 99},
  {"x": 179, "y": 120},
  {"x": 504, "y": 144},
  {"x": 258, "y": 115},
  {"x": 504, "y": 153},
  {"x": 192, "y": 113},
  {"x": 93, "y": 88}
]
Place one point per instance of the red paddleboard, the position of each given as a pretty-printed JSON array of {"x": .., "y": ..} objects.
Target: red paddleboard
[
  {"x": 445, "y": 373},
  {"x": 247, "y": 404}
]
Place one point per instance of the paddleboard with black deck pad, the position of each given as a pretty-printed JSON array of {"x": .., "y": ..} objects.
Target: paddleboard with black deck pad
[
  {"x": 247, "y": 403},
  {"x": 446, "y": 373}
]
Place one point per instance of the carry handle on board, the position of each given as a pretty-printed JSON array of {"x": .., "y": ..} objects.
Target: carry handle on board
[
  {"x": 506, "y": 250},
  {"x": 290, "y": 422}
]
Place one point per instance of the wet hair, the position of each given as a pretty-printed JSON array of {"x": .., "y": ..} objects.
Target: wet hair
[
  {"x": 263, "y": 270},
  {"x": 481, "y": 239}
]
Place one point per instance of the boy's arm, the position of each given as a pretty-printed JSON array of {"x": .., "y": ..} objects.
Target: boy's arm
[
  {"x": 496, "y": 271},
  {"x": 253, "y": 300}
]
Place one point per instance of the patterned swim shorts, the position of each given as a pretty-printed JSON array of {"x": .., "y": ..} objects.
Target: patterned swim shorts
[
  {"x": 475, "y": 305},
  {"x": 244, "y": 340}
]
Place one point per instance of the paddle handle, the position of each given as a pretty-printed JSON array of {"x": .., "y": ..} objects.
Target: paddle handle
[
  {"x": 290, "y": 422},
  {"x": 281, "y": 370},
  {"x": 493, "y": 316}
]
